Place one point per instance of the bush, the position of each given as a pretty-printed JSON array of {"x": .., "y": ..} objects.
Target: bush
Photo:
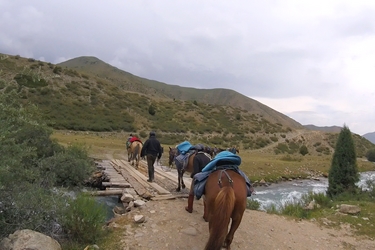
[
  {"x": 252, "y": 204},
  {"x": 31, "y": 207},
  {"x": 84, "y": 219},
  {"x": 303, "y": 150},
  {"x": 370, "y": 155},
  {"x": 68, "y": 168}
]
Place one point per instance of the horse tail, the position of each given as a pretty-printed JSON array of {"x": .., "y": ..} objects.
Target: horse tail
[{"x": 223, "y": 208}]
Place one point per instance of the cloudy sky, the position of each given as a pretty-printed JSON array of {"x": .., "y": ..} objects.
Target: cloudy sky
[{"x": 313, "y": 60}]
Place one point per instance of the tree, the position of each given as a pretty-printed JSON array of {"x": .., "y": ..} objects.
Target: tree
[
  {"x": 370, "y": 155},
  {"x": 343, "y": 174}
]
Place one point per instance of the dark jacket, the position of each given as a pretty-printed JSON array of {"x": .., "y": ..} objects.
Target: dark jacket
[
  {"x": 199, "y": 162},
  {"x": 152, "y": 146}
]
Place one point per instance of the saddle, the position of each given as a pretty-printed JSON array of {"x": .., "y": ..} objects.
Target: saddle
[
  {"x": 182, "y": 160},
  {"x": 200, "y": 179}
]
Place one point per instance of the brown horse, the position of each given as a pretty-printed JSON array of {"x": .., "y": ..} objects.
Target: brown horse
[
  {"x": 134, "y": 153},
  {"x": 225, "y": 198}
]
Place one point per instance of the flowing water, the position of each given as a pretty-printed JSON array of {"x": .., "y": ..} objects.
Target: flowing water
[
  {"x": 275, "y": 194},
  {"x": 286, "y": 192}
]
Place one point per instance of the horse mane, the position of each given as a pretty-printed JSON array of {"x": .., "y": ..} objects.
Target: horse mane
[{"x": 224, "y": 205}]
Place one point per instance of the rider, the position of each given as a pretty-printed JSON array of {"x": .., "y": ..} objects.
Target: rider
[
  {"x": 200, "y": 161},
  {"x": 128, "y": 140}
]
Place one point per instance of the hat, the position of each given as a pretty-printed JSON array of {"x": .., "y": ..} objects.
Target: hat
[{"x": 152, "y": 133}]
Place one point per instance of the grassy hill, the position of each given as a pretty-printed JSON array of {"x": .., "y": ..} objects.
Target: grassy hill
[{"x": 87, "y": 94}]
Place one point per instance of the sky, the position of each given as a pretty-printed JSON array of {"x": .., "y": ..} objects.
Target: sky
[{"x": 312, "y": 60}]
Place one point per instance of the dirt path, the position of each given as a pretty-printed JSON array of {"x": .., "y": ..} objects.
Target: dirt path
[{"x": 169, "y": 226}]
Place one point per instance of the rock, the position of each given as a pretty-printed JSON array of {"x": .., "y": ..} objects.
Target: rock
[
  {"x": 30, "y": 240},
  {"x": 147, "y": 195},
  {"x": 349, "y": 209},
  {"x": 139, "y": 218},
  {"x": 126, "y": 198},
  {"x": 139, "y": 203},
  {"x": 190, "y": 231},
  {"x": 119, "y": 210},
  {"x": 129, "y": 206},
  {"x": 311, "y": 205}
]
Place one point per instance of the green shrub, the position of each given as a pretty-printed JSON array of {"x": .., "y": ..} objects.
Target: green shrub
[
  {"x": 370, "y": 155},
  {"x": 303, "y": 150},
  {"x": 84, "y": 219},
  {"x": 68, "y": 168},
  {"x": 252, "y": 204},
  {"x": 295, "y": 209},
  {"x": 320, "y": 198},
  {"x": 31, "y": 207}
]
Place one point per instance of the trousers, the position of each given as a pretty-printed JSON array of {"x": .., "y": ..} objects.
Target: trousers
[{"x": 150, "y": 165}]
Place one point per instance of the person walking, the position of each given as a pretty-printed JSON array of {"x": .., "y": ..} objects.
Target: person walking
[
  {"x": 152, "y": 150},
  {"x": 200, "y": 160}
]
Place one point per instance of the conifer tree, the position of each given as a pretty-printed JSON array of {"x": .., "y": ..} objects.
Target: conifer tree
[{"x": 343, "y": 174}]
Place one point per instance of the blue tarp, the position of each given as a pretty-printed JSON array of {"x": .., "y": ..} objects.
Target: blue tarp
[
  {"x": 184, "y": 147},
  {"x": 224, "y": 156}
]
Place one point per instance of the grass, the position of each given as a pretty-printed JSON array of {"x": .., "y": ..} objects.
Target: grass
[{"x": 255, "y": 163}]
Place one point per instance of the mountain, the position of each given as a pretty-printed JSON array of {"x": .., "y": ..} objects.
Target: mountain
[
  {"x": 87, "y": 94},
  {"x": 221, "y": 97},
  {"x": 329, "y": 129},
  {"x": 370, "y": 137}
]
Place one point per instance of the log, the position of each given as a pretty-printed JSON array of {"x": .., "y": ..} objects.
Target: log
[
  {"x": 116, "y": 183},
  {"x": 107, "y": 192}
]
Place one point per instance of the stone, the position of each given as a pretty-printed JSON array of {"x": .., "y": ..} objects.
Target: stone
[
  {"x": 139, "y": 218},
  {"x": 126, "y": 198},
  {"x": 30, "y": 240},
  {"x": 189, "y": 231},
  {"x": 349, "y": 209},
  {"x": 139, "y": 203}
]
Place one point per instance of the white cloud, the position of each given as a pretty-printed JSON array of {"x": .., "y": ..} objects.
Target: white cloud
[{"x": 312, "y": 60}]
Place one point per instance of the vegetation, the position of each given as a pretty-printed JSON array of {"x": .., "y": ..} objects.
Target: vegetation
[
  {"x": 370, "y": 155},
  {"x": 343, "y": 174},
  {"x": 33, "y": 170}
]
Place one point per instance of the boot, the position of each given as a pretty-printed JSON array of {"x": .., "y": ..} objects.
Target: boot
[{"x": 189, "y": 207}]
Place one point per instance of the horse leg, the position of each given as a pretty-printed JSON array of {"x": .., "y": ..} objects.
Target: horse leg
[
  {"x": 178, "y": 189},
  {"x": 236, "y": 220},
  {"x": 205, "y": 212},
  {"x": 182, "y": 179}
]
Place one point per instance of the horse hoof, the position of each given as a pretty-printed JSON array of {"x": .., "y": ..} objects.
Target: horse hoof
[
  {"x": 183, "y": 186},
  {"x": 188, "y": 210},
  {"x": 205, "y": 219},
  {"x": 178, "y": 189}
]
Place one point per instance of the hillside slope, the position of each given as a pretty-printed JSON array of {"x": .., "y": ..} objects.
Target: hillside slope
[
  {"x": 220, "y": 97},
  {"x": 91, "y": 95}
]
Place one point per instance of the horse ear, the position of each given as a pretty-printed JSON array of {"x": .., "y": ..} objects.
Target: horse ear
[{"x": 170, "y": 148}]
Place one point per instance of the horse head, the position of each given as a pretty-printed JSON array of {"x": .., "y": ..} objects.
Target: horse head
[{"x": 172, "y": 155}]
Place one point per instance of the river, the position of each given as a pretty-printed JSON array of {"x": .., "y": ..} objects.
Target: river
[
  {"x": 275, "y": 194},
  {"x": 281, "y": 193}
]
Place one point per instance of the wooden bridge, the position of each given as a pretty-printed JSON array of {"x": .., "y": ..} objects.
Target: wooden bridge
[{"x": 124, "y": 176}]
